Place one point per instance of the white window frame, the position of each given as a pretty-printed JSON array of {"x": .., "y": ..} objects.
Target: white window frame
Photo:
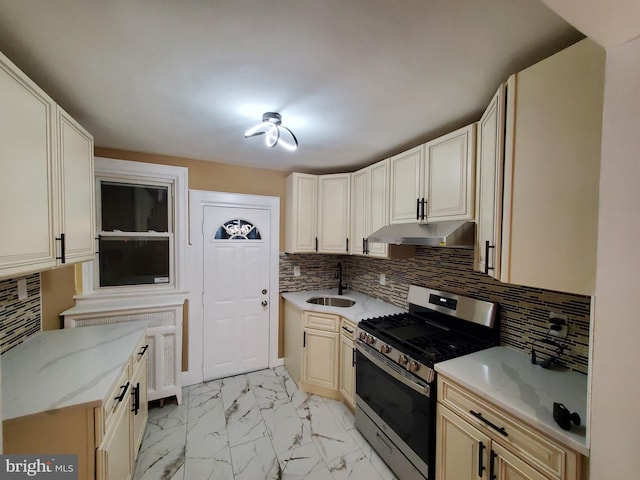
[{"x": 176, "y": 178}]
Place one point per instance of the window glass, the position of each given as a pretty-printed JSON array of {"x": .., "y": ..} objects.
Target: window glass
[
  {"x": 133, "y": 260},
  {"x": 134, "y": 208},
  {"x": 237, "y": 229}
]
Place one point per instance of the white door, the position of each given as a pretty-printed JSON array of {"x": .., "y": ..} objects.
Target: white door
[{"x": 236, "y": 290}]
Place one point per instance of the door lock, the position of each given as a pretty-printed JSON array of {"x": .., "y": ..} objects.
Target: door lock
[
  {"x": 264, "y": 303},
  {"x": 264, "y": 291}
]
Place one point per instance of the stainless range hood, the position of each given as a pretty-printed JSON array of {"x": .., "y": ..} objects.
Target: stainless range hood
[{"x": 457, "y": 234}]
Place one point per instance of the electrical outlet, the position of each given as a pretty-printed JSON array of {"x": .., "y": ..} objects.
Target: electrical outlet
[
  {"x": 558, "y": 326},
  {"x": 383, "y": 279},
  {"x": 296, "y": 271},
  {"x": 22, "y": 289}
]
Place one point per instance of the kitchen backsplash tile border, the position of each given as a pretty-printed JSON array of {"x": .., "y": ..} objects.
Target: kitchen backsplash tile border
[
  {"x": 523, "y": 313},
  {"x": 19, "y": 319}
]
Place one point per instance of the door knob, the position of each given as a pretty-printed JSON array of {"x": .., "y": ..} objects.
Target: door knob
[{"x": 264, "y": 303}]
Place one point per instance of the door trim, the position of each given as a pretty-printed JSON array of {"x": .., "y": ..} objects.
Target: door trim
[{"x": 198, "y": 199}]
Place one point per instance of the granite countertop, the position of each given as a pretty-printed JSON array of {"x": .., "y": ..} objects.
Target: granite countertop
[
  {"x": 365, "y": 306},
  {"x": 73, "y": 367},
  {"x": 506, "y": 378}
]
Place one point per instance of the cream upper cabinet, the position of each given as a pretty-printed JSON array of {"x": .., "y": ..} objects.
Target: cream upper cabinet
[
  {"x": 333, "y": 213},
  {"x": 28, "y": 190},
  {"x": 360, "y": 195},
  {"x": 489, "y": 175},
  {"x": 435, "y": 181},
  {"x": 47, "y": 164},
  {"x": 317, "y": 213},
  {"x": 301, "y": 213},
  {"x": 449, "y": 176},
  {"x": 369, "y": 208},
  {"x": 551, "y": 172},
  {"x": 77, "y": 221},
  {"x": 406, "y": 185}
]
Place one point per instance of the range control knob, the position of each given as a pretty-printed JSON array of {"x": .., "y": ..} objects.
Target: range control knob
[
  {"x": 403, "y": 360},
  {"x": 385, "y": 348},
  {"x": 370, "y": 340},
  {"x": 363, "y": 336},
  {"x": 413, "y": 366}
]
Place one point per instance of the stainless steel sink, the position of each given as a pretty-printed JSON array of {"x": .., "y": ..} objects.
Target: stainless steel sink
[{"x": 332, "y": 301}]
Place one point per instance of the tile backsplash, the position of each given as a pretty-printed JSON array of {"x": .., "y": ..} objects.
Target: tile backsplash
[
  {"x": 19, "y": 319},
  {"x": 523, "y": 313}
]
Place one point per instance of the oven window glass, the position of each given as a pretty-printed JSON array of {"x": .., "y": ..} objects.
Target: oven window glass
[{"x": 410, "y": 414}]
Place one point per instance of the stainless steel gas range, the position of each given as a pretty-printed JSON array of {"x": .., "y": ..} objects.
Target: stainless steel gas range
[{"x": 395, "y": 379}]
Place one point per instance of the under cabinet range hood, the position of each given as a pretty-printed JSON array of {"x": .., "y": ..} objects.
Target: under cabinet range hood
[{"x": 456, "y": 234}]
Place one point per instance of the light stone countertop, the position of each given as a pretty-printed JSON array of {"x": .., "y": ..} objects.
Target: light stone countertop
[
  {"x": 73, "y": 367},
  {"x": 506, "y": 378},
  {"x": 365, "y": 306}
]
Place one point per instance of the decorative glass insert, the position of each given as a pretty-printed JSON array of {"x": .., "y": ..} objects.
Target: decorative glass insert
[{"x": 237, "y": 229}]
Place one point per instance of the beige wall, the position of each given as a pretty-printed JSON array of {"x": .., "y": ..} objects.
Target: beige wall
[
  {"x": 57, "y": 290},
  {"x": 217, "y": 177},
  {"x": 615, "y": 428}
]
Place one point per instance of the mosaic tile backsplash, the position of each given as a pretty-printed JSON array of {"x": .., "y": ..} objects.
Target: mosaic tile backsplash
[
  {"x": 523, "y": 313},
  {"x": 19, "y": 319}
]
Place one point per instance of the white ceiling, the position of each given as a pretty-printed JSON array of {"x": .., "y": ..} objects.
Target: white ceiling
[{"x": 356, "y": 80}]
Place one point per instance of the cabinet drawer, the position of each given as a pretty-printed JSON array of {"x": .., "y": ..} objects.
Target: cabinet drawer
[
  {"x": 347, "y": 329},
  {"x": 538, "y": 450},
  {"x": 321, "y": 321},
  {"x": 140, "y": 353},
  {"x": 108, "y": 411}
]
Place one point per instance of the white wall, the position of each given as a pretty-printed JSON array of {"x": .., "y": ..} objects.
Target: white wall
[{"x": 615, "y": 420}]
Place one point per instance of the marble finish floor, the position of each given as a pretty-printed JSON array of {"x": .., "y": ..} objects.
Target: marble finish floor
[{"x": 252, "y": 427}]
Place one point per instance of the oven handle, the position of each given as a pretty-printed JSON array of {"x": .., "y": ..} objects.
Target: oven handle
[{"x": 418, "y": 387}]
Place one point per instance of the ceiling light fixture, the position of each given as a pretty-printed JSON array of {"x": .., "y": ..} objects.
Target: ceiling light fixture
[{"x": 271, "y": 127}]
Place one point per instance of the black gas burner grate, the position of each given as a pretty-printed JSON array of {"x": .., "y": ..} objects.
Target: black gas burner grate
[{"x": 423, "y": 340}]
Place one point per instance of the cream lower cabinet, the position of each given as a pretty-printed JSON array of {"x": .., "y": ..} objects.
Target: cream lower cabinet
[
  {"x": 105, "y": 437},
  {"x": 476, "y": 440},
  {"x": 320, "y": 371},
  {"x": 348, "y": 363}
]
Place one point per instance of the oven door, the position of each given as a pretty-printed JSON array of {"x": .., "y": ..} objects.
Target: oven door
[{"x": 401, "y": 400}]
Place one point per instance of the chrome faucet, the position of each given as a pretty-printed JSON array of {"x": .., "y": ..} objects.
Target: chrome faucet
[{"x": 339, "y": 277}]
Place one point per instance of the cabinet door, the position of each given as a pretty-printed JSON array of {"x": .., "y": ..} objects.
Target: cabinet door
[
  {"x": 406, "y": 185},
  {"x": 301, "y": 212},
  {"x": 506, "y": 466},
  {"x": 293, "y": 340},
  {"x": 75, "y": 157},
  {"x": 449, "y": 176},
  {"x": 333, "y": 213},
  {"x": 114, "y": 455},
  {"x": 320, "y": 358},
  {"x": 489, "y": 164},
  {"x": 347, "y": 370},
  {"x": 360, "y": 182},
  {"x": 139, "y": 406},
  {"x": 462, "y": 452},
  {"x": 552, "y": 171},
  {"x": 27, "y": 185},
  {"x": 378, "y": 205}
]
